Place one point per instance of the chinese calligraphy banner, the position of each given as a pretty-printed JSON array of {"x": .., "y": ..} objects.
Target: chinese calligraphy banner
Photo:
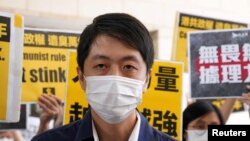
[
  {"x": 11, "y": 50},
  {"x": 219, "y": 63},
  {"x": 188, "y": 22},
  {"x": 161, "y": 103},
  {"x": 44, "y": 62},
  {"x": 76, "y": 104}
]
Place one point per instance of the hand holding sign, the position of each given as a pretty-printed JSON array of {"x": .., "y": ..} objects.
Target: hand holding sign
[
  {"x": 246, "y": 97},
  {"x": 52, "y": 109}
]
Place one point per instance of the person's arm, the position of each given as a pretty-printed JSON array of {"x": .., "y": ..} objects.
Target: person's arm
[
  {"x": 51, "y": 110},
  {"x": 246, "y": 98},
  {"x": 229, "y": 103},
  {"x": 227, "y": 108},
  {"x": 17, "y": 136}
]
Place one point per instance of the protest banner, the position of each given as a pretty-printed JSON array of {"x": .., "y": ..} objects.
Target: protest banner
[
  {"x": 76, "y": 104},
  {"x": 219, "y": 63},
  {"x": 45, "y": 61},
  {"x": 188, "y": 22},
  {"x": 162, "y": 102},
  {"x": 11, "y": 51}
]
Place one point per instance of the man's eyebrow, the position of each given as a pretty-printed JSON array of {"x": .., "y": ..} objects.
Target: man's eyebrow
[
  {"x": 131, "y": 58},
  {"x": 125, "y": 58},
  {"x": 99, "y": 56}
]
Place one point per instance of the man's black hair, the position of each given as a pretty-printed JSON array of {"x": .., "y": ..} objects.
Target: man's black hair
[{"x": 121, "y": 26}]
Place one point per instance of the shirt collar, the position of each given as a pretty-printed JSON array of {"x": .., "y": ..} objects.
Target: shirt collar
[
  {"x": 133, "y": 136},
  {"x": 135, "y": 133},
  {"x": 96, "y": 138}
]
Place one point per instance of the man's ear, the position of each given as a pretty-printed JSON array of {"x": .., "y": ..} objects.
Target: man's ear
[
  {"x": 81, "y": 78},
  {"x": 147, "y": 82}
]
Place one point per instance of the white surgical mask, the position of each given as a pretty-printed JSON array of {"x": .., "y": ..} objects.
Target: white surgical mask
[
  {"x": 113, "y": 98},
  {"x": 197, "y": 135},
  {"x": 6, "y": 139}
]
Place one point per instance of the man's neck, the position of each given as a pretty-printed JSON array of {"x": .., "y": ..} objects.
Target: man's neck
[{"x": 120, "y": 131}]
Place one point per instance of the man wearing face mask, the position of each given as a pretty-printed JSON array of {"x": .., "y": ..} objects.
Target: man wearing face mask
[{"x": 115, "y": 55}]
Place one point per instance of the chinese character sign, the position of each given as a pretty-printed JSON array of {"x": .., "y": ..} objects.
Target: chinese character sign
[
  {"x": 219, "y": 63},
  {"x": 45, "y": 60},
  {"x": 188, "y": 22},
  {"x": 161, "y": 103},
  {"x": 11, "y": 50},
  {"x": 76, "y": 104}
]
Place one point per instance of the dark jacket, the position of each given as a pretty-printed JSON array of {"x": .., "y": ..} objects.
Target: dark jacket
[{"x": 81, "y": 130}]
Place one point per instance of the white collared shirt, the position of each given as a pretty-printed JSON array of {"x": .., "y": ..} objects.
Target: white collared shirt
[{"x": 134, "y": 135}]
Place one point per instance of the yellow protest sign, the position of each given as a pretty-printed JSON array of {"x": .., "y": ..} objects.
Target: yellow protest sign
[
  {"x": 76, "y": 104},
  {"x": 11, "y": 44},
  {"x": 188, "y": 22},
  {"x": 161, "y": 104},
  {"x": 4, "y": 63},
  {"x": 45, "y": 60}
]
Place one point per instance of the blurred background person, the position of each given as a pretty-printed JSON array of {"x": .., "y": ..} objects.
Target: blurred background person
[
  {"x": 11, "y": 135},
  {"x": 196, "y": 118},
  {"x": 199, "y": 114}
]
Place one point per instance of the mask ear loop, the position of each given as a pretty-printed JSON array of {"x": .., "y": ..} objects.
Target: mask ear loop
[{"x": 82, "y": 76}]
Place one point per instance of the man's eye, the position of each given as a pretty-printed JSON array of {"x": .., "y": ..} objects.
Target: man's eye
[
  {"x": 100, "y": 66},
  {"x": 129, "y": 67}
]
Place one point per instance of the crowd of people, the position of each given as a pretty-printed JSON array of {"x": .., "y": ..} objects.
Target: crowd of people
[{"x": 115, "y": 56}]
